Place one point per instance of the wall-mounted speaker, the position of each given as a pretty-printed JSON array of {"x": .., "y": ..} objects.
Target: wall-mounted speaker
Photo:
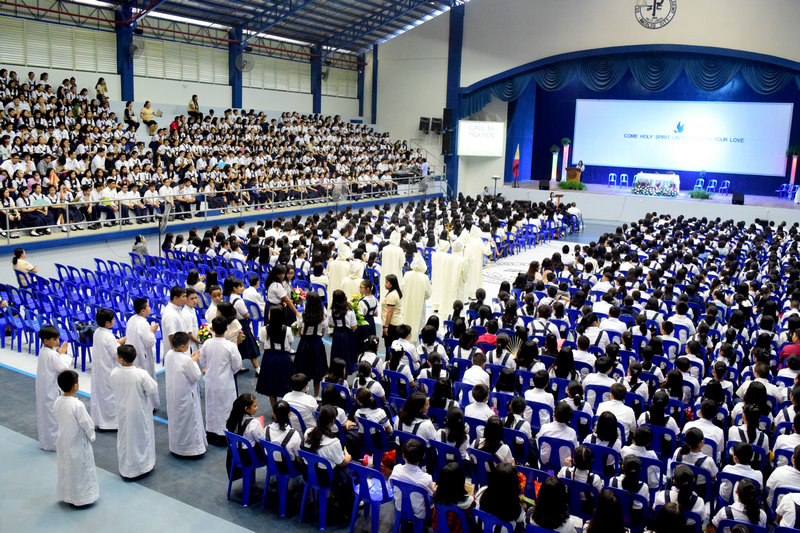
[
  {"x": 436, "y": 125},
  {"x": 447, "y": 141},
  {"x": 424, "y": 124},
  {"x": 447, "y": 118}
]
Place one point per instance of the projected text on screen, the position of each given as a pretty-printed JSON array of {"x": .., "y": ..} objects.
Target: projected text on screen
[
  {"x": 725, "y": 137},
  {"x": 486, "y": 139}
]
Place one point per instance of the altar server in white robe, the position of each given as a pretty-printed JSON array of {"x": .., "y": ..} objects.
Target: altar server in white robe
[
  {"x": 221, "y": 360},
  {"x": 416, "y": 289},
  {"x": 172, "y": 317},
  {"x": 438, "y": 279},
  {"x": 102, "y": 403},
  {"x": 475, "y": 251},
  {"x": 134, "y": 390},
  {"x": 141, "y": 335},
  {"x": 393, "y": 257},
  {"x": 455, "y": 272},
  {"x": 338, "y": 269},
  {"x": 77, "y": 477},
  {"x": 187, "y": 437},
  {"x": 189, "y": 316},
  {"x": 352, "y": 283},
  {"x": 52, "y": 360}
]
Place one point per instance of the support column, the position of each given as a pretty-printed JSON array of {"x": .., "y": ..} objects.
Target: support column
[
  {"x": 234, "y": 74},
  {"x": 455, "y": 41},
  {"x": 374, "y": 103},
  {"x": 124, "y": 59},
  {"x": 316, "y": 79},
  {"x": 362, "y": 60}
]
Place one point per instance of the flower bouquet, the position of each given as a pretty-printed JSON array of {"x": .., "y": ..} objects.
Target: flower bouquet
[
  {"x": 204, "y": 333},
  {"x": 354, "y": 301},
  {"x": 297, "y": 295},
  {"x": 647, "y": 189},
  {"x": 295, "y": 328}
]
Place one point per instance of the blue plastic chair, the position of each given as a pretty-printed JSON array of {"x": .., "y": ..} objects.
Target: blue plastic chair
[
  {"x": 612, "y": 180},
  {"x": 623, "y": 180},
  {"x": 627, "y": 499},
  {"x": 371, "y": 488},
  {"x": 555, "y": 445},
  {"x": 582, "y": 498},
  {"x": 698, "y": 185},
  {"x": 732, "y": 479},
  {"x": 474, "y": 424},
  {"x": 492, "y": 524},
  {"x": 601, "y": 454},
  {"x": 300, "y": 420},
  {"x": 723, "y": 189},
  {"x": 481, "y": 461},
  {"x": 400, "y": 438},
  {"x": 320, "y": 478},
  {"x": 712, "y": 186},
  {"x": 376, "y": 441},
  {"x": 462, "y": 392},
  {"x": 441, "y": 517},
  {"x": 282, "y": 471},
  {"x": 444, "y": 453},
  {"x": 248, "y": 472},
  {"x": 519, "y": 444},
  {"x": 344, "y": 392},
  {"x": 536, "y": 409},
  {"x": 727, "y": 524},
  {"x": 398, "y": 382},
  {"x": 406, "y": 511}
]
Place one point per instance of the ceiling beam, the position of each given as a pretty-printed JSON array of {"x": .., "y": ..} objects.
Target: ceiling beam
[
  {"x": 364, "y": 27},
  {"x": 147, "y": 9},
  {"x": 277, "y": 13}
]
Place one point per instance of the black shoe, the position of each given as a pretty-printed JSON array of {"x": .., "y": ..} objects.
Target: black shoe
[{"x": 243, "y": 371}]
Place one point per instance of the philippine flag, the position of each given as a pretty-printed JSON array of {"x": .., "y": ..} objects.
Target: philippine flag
[{"x": 515, "y": 166}]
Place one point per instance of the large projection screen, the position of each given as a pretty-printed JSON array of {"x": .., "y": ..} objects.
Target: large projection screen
[{"x": 723, "y": 137}]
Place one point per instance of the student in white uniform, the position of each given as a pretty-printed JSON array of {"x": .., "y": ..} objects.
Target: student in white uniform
[
  {"x": 172, "y": 317},
  {"x": 134, "y": 390},
  {"x": 552, "y": 507},
  {"x": 51, "y": 362},
  {"x": 77, "y": 477},
  {"x": 187, "y": 436},
  {"x": 102, "y": 403},
  {"x": 215, "y": 295},
  {"x": 746, "y": 509},
  {"x": 300, "y": 400},
  {"x": 413, "y": 417},
  {"x": 784, "y": 476},
  {"x": 682, "y": 492},
  {"x": 222, "y": 361},
  {"x": 281, "y": 432},
  {"x": 321, "y": 440},
  {"x": 559, "y": 428},
  {"x": 410, "y": 472},
  {"x": 189, "y": 316},
  {"x": 141, "y": 335}
]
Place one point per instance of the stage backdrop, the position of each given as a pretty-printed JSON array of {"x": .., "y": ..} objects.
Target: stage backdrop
[{"x": 555, "y": 119}]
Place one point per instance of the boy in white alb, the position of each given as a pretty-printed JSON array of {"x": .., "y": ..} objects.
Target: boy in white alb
[
  {"x": 77, "y": 477},
  {"x": 221, "y": 360},
  {"x": 52, "y": 361},
  {"x": 187, "y": 436},
  {"x": 102, "y": 403},
  {"x": 134, "y": 390}
]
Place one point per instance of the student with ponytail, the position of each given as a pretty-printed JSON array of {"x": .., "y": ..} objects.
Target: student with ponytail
[
  {"x": 629, "y": 480},
  {"x": 746, "y": 508},
  {"x": 492, "y": 441},
  {"x": 366, "y": 379},
  {"x": 370, "y": 354},
  {"x": 322, "y": 441},
  {"x": 435, "y": 369},
  {"x": 691, "y": 452},
  {"x": 455, "y": 431},
  {"x": 683, "y": 493}
]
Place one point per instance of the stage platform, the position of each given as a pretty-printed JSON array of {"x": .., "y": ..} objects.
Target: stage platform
[{"x": 601, "y": 202}]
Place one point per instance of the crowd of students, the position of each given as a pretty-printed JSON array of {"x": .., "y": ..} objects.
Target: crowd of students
[{"x": 58, "y": 145}]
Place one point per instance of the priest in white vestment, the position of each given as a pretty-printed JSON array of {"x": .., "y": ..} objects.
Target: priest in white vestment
[{"x": 416, "y": 289}]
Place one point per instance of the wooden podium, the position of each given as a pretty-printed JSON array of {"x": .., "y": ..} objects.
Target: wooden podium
[{"x": 573, "y": 174}]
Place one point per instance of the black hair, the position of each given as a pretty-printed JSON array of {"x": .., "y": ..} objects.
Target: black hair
[
  {"x": 242, "y": 402},
  {"x": 219, "y": 325},
  {"x": 450, "y": 485},
  {"x": 67, "y": 379},
  {"x": 298, "y": 382},
  {"x": 104, "y": 316},
  {"x": 327, "y": 415},
  {"x": 552, "y": 504},
  {"x": 48, "y": 332},
  {"x": 180, "y": 338}
]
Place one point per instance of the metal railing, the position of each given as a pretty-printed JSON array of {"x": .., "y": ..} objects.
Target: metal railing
[{"x": 335, "y": 193}]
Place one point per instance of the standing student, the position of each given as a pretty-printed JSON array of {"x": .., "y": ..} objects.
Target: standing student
[
  {"x": 189, "y": 316},
  {"x": 277, "y": 341},
  {"x": 187, "y": 437},
  {"x": 141, "y": 335},
  {"x": 343, "y": 321},
  {"x": 391, "y": 309},
  {"x": 310, "y": 358},
  {"x": 102, "y": 403},
  {"x": 222, "y": 361},
  {"x": 215, "y": 294},
  {"x": 172, "y": 317},
  {"x": 248, "y": 347},
  {"x": 51, "y": 362},
  {"x": 77, "y": 477},
  {"x": 134, "y": 390},
  {"x": 368, "y": 306}
]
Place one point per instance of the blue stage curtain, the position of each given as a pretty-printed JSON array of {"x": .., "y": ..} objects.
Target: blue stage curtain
[
  {"x": 556, "y": 76},
  {"x": 711, "y": 73},
  {"x": 473, "y": 102},
  {"x": 511, "y": 89},
  {"x": 656, "y": 72},
  {"x": 602, "y": 73},
  {"x": 766, "y": 79}
]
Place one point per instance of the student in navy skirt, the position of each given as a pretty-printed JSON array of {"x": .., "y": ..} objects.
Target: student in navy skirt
[
  {"x": 277, "y": 341},
  {"x": 248, "y": 348},
  {"x": 343, "y": 321},
  {"x": 310, "y": 358},
  {"x": 368, "y": 306}
]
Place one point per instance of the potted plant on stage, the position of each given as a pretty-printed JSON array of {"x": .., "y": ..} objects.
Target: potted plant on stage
[
  {"x": 554, "y": 173},
  {"x": 565, "y": 142}
]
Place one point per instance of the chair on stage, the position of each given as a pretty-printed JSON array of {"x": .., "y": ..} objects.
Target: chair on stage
[
  {"x": 612, "y": 180},
  {"x": 712, "y": 186},
  {"x": 723, "y": 189},
  {"x": 623, "y": 180},
  {"x": 782, "y": 190},
  {"x": 698, "y": 185}
]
